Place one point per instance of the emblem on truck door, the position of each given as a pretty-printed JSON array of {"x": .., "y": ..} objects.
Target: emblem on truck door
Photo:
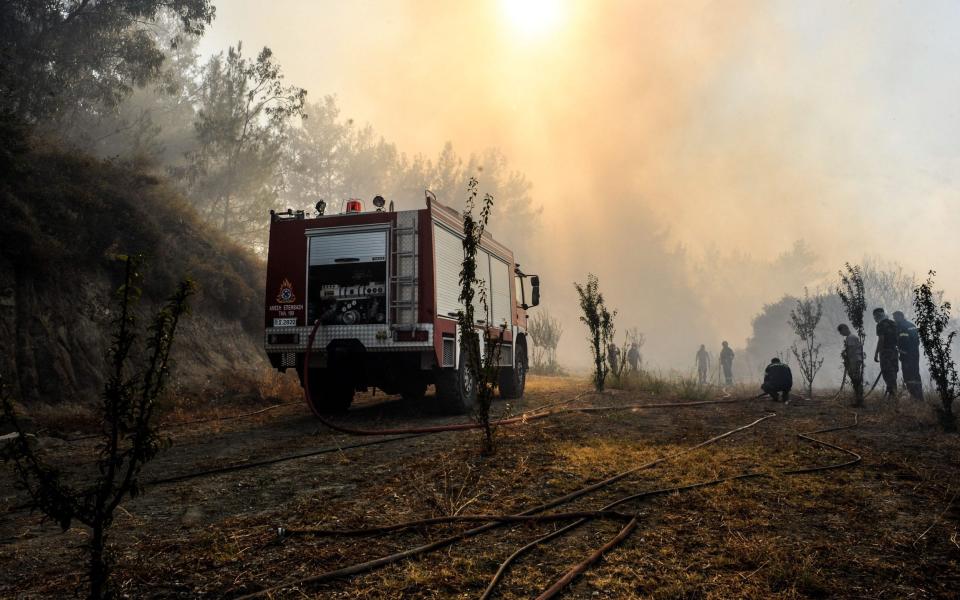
[{"x": 286, "y": 295}]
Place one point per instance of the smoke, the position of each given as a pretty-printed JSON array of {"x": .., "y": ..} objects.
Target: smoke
[{"x": 680, "y": 150}]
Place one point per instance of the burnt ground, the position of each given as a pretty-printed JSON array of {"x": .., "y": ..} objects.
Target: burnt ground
[{"x": 888, "y": 527}]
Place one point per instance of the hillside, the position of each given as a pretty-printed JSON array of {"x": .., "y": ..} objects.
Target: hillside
[{"x": 63, "y": 219}]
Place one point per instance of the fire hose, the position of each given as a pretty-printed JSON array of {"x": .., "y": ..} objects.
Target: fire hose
[
  {"x": 580, "y": 517},
  {"x": 557, "y": 587},
  {"x": 441, "y": 543}
]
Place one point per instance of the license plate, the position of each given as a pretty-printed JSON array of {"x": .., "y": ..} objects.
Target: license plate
[{"x": 291, "y": 322}]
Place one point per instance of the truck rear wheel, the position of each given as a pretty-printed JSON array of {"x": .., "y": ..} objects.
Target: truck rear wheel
[
  {"x": 513, "y": 380},
  {"x": 457, "y": 389},
  {"x": 327, "y": 394}
]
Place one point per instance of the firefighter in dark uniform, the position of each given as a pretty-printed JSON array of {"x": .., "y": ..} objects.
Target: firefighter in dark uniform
[
  {"x": 908, "y": 343},
  {"x": 703, "y": 364},
  {"x": 613, "y": 358},
  {"x": 852, "y": 355},
  {"x": 777, "y": 378},
  {"x": 887, "y": 353},
  {"x": 726, "y": 362},
  {"x": 633, "y": 357}
]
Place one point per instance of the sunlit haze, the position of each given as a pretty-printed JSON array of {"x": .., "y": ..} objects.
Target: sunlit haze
[{"x": 534, "y": 18}]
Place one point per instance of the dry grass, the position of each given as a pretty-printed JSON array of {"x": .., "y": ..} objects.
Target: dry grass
[{"x": 883, "y": 529}]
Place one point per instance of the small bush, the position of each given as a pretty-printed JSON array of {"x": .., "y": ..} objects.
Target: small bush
[{"x": 130, "y": 437}]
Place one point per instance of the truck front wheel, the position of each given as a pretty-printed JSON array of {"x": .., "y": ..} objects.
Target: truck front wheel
[
  {"x": 513, "y": 380},
  {"x": 457, "y": 389}
]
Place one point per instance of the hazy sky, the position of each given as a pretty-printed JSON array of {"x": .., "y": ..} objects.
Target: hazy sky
[{"x": 727, "y": 125}]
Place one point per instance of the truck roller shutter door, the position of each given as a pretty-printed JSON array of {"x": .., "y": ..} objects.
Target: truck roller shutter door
[
  {"x": 449, "y": 248},
  {"x": 483, "y": 275},
  {"x": 360, "y": 246},
  {"x": 500, "y": 291}
]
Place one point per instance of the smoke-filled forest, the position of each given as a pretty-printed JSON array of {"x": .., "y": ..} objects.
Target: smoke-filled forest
[{"x": 510, "y": 298}]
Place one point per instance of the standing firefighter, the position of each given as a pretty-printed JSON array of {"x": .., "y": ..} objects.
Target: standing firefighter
[
  {"x": 908, "y": 343},
  {"x": 887, "y": 352},
  {"x": 852, "y": 355},
  {"x": 703, "y": 363},
  {"x": 633, "y": 357},
  {"x": 613, "y": 357},
  {"x": 777, "y": 378},
  {"x": 726, "y": 363}
]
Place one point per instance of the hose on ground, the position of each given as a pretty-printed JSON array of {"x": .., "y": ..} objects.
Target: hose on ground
[
  {"x": 193, "y": 422},
  {"x": 586, "y": 516},
  {"x": 441, "y": 543},
  {"x": 23, "y": 508},
  {"x": 557, "y": 587},
  {"x": 400, "y": 434}
]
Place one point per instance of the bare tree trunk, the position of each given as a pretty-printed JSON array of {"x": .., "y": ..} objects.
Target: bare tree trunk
[{"x": 98, "y": 565}]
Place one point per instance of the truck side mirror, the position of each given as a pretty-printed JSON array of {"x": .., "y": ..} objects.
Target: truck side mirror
[{"x": 534, "y": 290}]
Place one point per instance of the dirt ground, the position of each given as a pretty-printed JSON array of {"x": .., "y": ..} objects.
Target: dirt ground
[{"x": 888, "y": 527}]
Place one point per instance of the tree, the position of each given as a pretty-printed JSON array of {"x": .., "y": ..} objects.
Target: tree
[
  {"x": 599, "y": 322},
  {"x": 852, "y": 293},
  {"x": 130, "y": 437},
  {"x": 241, "y": 132},
  {"x": 545, "y": 331},
  {"x": 486, "y": 369},
  {"x": 333, "y": 160},
  {"x": 804, "y": 319},
  {"x": 155, "y": 121},
  {"x": 58, "y": 56},
  {"x": 933, "y": 318}
]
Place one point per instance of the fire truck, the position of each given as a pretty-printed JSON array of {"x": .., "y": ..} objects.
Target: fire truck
[{"x": 384, "y": 286}]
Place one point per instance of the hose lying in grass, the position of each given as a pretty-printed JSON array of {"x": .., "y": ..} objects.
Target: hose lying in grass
[
  {"x": 441, "y": 543},
  {"x": 192, "y": 422},
  {"x": 402, "y": 434},
  {"x": 585, "y": 516},
  {"x": 372, "y": 531},
  {"x": 558, "y": 586}
]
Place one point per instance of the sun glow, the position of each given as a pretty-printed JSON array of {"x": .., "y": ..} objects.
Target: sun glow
[{"x": 533, "y": 18}]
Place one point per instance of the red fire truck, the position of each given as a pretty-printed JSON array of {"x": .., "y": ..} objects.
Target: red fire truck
[{"x": 385, "y": 288}]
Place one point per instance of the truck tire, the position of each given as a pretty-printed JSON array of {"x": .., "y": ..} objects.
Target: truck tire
[
  {"x": 328, "y": 395},
  {"x": 457, "y": 390},
  {"x": 513, "y": 380}
]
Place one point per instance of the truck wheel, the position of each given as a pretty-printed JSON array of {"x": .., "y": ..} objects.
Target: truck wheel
[
  {"x": 328, "y": 396},
  {"x": 457, "y": 390},
  {"x": 513, "y": 380}
]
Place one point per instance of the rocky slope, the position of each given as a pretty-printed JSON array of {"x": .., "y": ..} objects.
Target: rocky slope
[{"x": 64, "y": 219}]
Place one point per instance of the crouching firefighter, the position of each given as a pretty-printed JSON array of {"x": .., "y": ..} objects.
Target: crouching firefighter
[
  {"x": 777, "y": 378},
  {"x": 908, "y": 343}
]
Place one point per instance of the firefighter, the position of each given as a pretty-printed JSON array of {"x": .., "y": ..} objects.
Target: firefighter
[
  {"x": 703, "y": 363},
  {"x": 633, "y": 357},
  {"x": 852, "y": 355},
  {"x": 908, "y": 344},
  {"x": 613, "y": 357},
  {"x": 726, "y": 362},
  {"x": 887, "y": 353},
  {"x": 777, "y": 378}
]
